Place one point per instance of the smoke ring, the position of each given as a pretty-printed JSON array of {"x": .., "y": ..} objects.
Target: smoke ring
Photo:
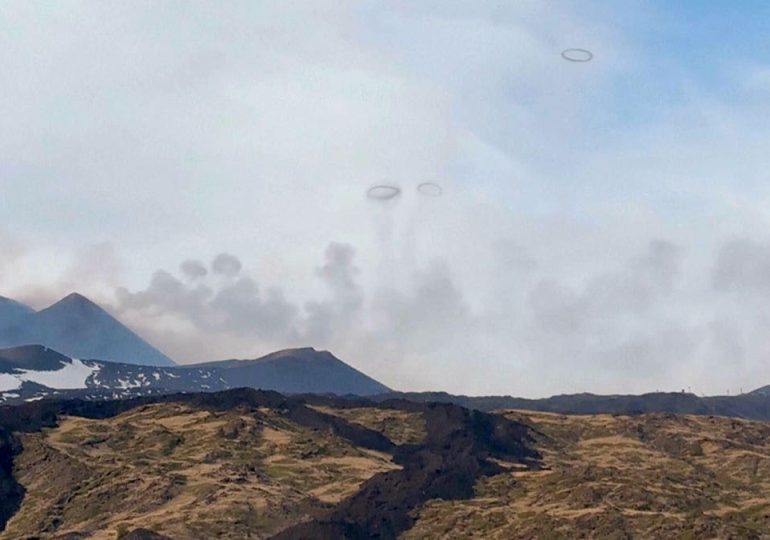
[
  {"x": 430, "y": 189},
  {"x": 577, "y": 55},
  {"x": 383, "y": 192}
]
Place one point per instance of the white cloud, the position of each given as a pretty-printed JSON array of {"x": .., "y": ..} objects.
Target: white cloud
[{"x": 584, "y": 206}]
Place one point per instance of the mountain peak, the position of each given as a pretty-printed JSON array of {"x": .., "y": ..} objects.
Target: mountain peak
[
  {"x": 79, "y": 328},
  {"x": 79, "y": 306},
  {"x": 295, "y": 371},
  {"x": 76, "y": 299},
  {"x": 74, "y": 296},
  {"x": 307, "y": 353}
]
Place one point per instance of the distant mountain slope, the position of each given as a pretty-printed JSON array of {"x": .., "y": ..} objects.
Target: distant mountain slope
[
  {"x": 296, "y": 371},
  {"x": 754, "y": 405},
  {"x": 30, "y": 357},
  {"x": 12, "y": 313},
  {"x": 761, "y": 391},
  {"x": 30, "y": 373},
  {"x": 77, "y": 327}
]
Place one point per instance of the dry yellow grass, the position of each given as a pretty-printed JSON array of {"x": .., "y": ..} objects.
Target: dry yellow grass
[
  {"x": 649, "y": 476},
  {"x": 186, "y": 473},
  {"x": 243, "y": 474},
  {"x": 401, "y": 427}
]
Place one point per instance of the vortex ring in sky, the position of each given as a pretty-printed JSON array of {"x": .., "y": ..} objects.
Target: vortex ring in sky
[
  {"x": 383, "y": 192},
  {"x": 577, "y": 55},
  {"x": 430, "y": 189}
]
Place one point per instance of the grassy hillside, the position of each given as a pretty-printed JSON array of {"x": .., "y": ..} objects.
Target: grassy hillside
[
  {"x": 184, "y": 472},
  {"x": 241, "y": 464},
  {"x": 247, "y": 464},
  {"x": 604, "y": 476}
]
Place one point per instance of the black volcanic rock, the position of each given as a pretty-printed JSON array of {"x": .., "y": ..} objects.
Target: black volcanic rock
[
  {"x": 144, "y": 534},
  {"x": 11, "y": 492},
  {"x": 79, "y": 328},
  {"x": 459, "y": 449}
]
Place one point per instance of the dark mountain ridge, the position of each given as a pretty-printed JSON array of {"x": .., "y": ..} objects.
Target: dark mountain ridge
[
  {"x": 33, "y": 372},
  {"x": 308, "y": 371},
  {"x": 753, "y": 405},
  {"x": 296, "y": 371},
  {"x": 30, "y": 357}
]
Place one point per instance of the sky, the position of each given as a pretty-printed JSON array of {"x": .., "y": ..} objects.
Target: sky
[{"x": 200, "y": 169}]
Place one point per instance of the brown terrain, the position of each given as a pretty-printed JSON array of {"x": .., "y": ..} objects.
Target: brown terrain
[
  {"x": 185, "y": 473},
  {"x": 246, "y": 464},
  {"x": 612, "y": 476}
]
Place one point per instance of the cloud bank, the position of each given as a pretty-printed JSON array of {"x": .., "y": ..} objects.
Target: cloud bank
[{"x": 203, "y": 172}]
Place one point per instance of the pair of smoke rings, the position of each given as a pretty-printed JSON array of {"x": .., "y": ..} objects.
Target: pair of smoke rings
[{"x": 385, "y": 192}]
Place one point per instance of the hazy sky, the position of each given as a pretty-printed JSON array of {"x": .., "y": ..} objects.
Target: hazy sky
[{"x": 200, "y": 169}]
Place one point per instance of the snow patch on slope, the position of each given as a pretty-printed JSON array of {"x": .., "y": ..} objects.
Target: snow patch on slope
[
  {"x": 125, "y": 384},
  {"x": 71, "y": 376},
  {"x": 8, "y": 381}
]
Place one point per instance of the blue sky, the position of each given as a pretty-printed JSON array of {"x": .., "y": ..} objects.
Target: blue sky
[{"x": 603, "y": 226}]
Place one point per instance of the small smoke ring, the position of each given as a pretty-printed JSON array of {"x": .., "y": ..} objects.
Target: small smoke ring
[
  {"x": 577, "y": 55},
  {"x": 383, "y": 192},
  {"x": 430, "y": 189}
]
